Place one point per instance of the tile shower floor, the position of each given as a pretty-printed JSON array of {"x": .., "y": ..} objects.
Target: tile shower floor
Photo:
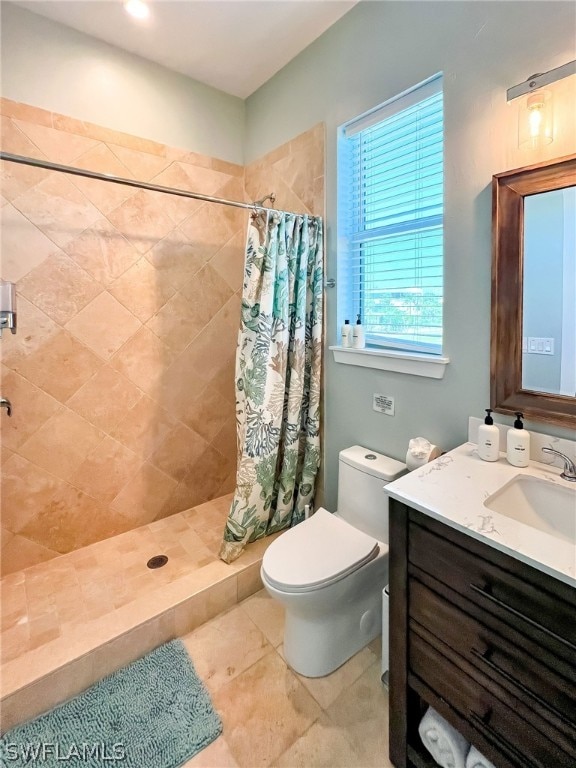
[
  {"x": 81, "y": 615},
  {"x": 274, "y": 717},
  {"x": 49, "y": 601}
]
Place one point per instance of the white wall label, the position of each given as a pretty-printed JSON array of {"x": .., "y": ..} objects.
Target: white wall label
[{"x": 383, "y": 404}]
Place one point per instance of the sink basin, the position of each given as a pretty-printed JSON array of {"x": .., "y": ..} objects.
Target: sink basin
[{"x": 546, "y": 506}]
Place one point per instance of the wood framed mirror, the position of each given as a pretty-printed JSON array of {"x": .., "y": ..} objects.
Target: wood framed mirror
[{"x": 533, "y": 335}]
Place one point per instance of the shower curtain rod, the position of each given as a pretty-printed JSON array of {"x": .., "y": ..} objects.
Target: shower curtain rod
[{"x": 257, "y": 206}]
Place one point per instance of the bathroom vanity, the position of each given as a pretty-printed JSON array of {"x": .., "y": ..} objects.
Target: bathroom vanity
[{"x": 482, "y": 613}]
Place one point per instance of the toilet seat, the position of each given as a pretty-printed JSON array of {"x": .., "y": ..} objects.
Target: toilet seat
[{"x": 316, "y": 553}]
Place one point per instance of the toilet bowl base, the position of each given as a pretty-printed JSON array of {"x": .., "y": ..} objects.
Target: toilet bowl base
[
  {"x": 324, "y": 628},
  {"x": 315, "y": 650}
]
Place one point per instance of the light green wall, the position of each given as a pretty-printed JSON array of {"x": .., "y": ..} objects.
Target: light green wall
[
  {"x": 59, "y": 69},
  {"x": 375, "y": 52}
]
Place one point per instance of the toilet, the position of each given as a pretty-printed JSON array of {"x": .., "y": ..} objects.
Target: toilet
[{"x": 329, "y": 571}]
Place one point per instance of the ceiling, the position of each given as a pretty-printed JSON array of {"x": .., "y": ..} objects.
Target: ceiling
[{"x": 232, "y": 45}]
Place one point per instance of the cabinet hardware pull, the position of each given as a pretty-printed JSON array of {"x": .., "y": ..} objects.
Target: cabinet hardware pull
[
  {"x": 514, "y": 612},
  {"x": 507, "y": 749},
  {"x": 497, "y": 670}
]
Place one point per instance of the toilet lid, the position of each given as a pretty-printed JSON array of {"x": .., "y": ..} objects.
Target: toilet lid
[{"x": 314, "y": 553}]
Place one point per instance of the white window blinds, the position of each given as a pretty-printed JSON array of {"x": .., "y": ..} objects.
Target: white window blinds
[{"x": 390, "y": 210}]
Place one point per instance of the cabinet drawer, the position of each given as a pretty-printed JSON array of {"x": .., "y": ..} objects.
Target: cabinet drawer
[
  {"x": 499, "y": 724},
  {"x": 532, "y": 610},
  {"x": 506, "y": 658}
]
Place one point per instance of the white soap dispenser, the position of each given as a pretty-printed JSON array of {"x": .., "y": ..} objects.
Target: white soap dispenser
[
  {"x": 488, "y": 439},
  {"x": 346, "y": 334},
  {"x": 518, "y": 443},
  {"x": 358, "y": 341}
]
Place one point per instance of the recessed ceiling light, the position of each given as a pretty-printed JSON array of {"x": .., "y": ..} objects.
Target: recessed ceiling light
[{"x": 137, "y": 8}]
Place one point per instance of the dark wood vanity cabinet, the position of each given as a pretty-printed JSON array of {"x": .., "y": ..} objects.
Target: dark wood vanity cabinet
[{"x": 486, "y": 640}]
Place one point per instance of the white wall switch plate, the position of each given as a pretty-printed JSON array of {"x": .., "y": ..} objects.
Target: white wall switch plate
[
  {"x": 383, "y": 404},
  {"x": 539, "y": 346}
]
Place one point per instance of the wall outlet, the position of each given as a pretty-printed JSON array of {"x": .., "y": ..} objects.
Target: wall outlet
[{"x": 383, "y": 404}]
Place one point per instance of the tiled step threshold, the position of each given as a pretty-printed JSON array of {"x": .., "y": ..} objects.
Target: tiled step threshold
[{"x": 54, "y": 672}]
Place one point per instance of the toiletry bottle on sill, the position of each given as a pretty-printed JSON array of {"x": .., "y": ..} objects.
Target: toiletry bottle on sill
[
  {"x": 518, "y": 443},
  {"x": 346, "y": 334},
  {"x": 358, "y": 341},
  {"x": 488, "y": 439}
]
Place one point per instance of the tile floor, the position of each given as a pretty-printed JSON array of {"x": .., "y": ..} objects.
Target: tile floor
[
  {"x": 271, "y": 716},
  {"x": 274, "y": 717}
]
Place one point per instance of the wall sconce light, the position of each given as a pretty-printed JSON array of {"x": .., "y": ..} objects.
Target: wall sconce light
[{"x": 535, "y": 115}]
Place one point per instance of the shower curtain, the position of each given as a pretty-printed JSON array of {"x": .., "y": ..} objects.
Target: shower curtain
[{"x": 278, "y": 366}]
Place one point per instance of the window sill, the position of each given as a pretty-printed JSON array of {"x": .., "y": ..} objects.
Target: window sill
[{"x": 411, "y": 363}]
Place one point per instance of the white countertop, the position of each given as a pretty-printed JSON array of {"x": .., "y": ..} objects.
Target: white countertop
[{"x": 452, "y": 489}]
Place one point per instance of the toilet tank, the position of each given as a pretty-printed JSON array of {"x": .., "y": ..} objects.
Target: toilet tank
[{"x": 362, "y": 502}]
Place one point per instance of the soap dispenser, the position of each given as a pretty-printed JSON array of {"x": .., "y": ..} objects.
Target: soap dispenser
[
  {"x": 488, "y": 439},
  {"x": 358, "y": 341},
  {"x": 346, "y": 334},
  {"x": 518, "y": 443}
]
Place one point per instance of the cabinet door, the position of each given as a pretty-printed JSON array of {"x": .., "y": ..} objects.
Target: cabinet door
[
  {"x": 535, "y": 612},
  {"x": 496, "y": 722},
  {"x": 513, "y": 671}
]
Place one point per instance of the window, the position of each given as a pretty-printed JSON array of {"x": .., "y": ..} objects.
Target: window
[{"x": 390, "y": 221}]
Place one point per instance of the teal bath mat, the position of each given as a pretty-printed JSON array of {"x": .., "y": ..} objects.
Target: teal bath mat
[{"x": 154, "y": 713}]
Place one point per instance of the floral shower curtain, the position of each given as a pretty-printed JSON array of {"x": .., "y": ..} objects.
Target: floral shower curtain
[{"x": 278, "y": 364}]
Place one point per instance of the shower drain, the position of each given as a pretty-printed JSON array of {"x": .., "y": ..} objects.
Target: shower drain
[{"x": 157, "y": 561}]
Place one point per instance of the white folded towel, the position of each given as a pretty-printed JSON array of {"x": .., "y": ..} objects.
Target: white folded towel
[
  {"x": 477, "y": 760},
  {"x": 445, "y": 744}
]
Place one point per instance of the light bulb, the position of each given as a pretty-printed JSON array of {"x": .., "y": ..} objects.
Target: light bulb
[
  {"x": 535, "y": 127},
  {"x": 137, "y": 8},
  {"x": 535, "y": 121}
]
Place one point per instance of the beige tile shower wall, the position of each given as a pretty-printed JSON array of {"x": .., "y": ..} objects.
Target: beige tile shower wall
[
  {"x": 294, "y": 172},
  {"x": 122, "y": 371},
  {"x": 121, "y": 374}
]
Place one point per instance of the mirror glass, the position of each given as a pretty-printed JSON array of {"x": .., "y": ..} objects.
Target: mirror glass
[{"x": 549, "y": 293}]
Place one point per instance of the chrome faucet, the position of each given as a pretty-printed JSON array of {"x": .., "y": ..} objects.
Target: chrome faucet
[
  {"x": 569, "y": 472},
  {"x": 4, "y": 403}
]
